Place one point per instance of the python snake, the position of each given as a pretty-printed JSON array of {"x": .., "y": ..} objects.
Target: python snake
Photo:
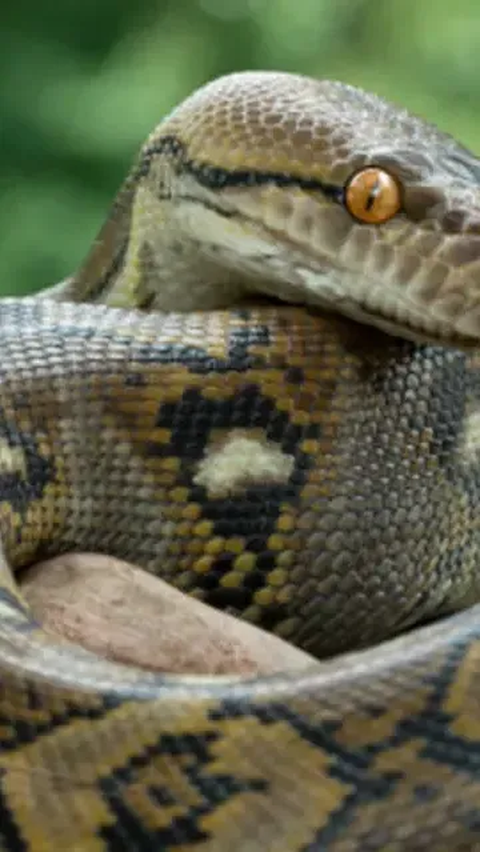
[{"x": 190, "y": 400}]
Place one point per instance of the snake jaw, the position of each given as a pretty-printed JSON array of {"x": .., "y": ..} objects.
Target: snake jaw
[{"x": 305, "y": 252}]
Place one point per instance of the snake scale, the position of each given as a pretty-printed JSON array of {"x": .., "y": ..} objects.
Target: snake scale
[{"x": 263, "y": 386}]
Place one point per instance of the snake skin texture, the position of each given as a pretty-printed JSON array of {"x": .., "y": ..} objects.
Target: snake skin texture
[{"x": 308, "y": 472}]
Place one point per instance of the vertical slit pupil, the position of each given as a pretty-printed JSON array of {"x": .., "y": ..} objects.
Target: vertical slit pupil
[{"x": 373, "y": 195}]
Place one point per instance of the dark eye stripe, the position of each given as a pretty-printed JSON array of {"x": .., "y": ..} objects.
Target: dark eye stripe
[{"x": 213, "y": 177}]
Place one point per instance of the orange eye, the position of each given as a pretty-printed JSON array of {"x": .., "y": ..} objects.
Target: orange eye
[{"x": 373, "y": 196}]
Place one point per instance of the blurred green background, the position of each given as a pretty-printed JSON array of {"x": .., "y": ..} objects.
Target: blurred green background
[{"x": 83, "y": 81}]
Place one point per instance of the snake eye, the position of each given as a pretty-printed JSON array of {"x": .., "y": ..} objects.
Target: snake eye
[{"x": 373, "y": 196}]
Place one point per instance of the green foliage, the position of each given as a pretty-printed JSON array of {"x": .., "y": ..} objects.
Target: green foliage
[{"x": 82, "y": 83}]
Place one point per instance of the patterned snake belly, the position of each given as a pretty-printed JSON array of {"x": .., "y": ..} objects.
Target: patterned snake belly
[{"x": 190, "y": 400}]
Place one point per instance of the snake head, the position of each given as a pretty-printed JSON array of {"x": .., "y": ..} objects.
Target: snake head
[{"x": 314, "y": 192}]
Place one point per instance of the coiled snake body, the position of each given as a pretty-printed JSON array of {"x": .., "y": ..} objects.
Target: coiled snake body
[{"x": 309, "y": 471}]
